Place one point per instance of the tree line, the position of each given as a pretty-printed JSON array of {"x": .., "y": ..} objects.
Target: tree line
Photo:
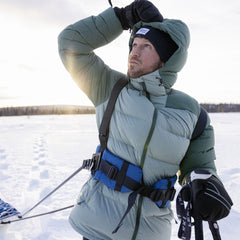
[
  {"x": 72, "y": 109},
  {"x": 46, "y": 110},
  {"x": 222, "y": 107}
]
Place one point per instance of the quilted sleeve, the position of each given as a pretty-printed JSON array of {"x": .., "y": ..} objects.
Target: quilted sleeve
[
  {"x": 76, "y": 49},
  {"x": 200, "y": 154}
]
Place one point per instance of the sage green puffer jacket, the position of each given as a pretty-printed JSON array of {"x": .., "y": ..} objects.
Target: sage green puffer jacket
[{"x": 99, "y": 209}]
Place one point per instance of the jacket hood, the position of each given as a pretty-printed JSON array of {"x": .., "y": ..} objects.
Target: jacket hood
[{"x": 179, "y": 33}]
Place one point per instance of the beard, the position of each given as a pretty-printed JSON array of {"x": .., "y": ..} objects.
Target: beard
[
  {"x": 134, "y": 73},
  {"x": 137, "y": 70}
]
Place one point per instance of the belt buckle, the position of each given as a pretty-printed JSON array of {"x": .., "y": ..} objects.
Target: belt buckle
[
  {"x": 96, "y": 159},
  {"x": 171, "y": 194},
  {"x": 112, "y": 173},
  {"x": 156, "y": 195}
]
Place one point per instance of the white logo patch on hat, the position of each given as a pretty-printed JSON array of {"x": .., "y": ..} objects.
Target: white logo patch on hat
[{"x": 143, "y": 31}]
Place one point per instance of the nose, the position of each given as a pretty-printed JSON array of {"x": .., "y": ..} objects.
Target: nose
[{"x": 135, "y": 52}]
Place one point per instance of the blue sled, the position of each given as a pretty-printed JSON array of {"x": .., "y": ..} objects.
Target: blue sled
[{"x": 7, "y": 211}]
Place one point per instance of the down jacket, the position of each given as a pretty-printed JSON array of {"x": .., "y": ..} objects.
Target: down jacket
[{"x": 99, "y": 209}]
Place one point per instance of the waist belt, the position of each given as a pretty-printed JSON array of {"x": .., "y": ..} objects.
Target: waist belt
[{"x": 123, "y": 176}]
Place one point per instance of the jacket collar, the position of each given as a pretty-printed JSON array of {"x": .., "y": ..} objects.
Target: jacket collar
[{"x": 151, "y": 83}]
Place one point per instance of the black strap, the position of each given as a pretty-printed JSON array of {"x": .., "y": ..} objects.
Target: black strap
[
  {"x": 110, "y": 2},
  {"x": 198, "y": 226},
  {"x": 131, "y": 200},
  {"x": 201, "y": 124},
  {"x": 121, "y": 176},
  {"x": 156, "y": 195},
  {"x": 104, "y": 127},
  {"x": 185, "y": 211},
  {"x": 215, "y": 230}
]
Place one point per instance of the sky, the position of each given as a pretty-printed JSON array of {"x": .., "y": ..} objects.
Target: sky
[{"x": 31, "y": 72}]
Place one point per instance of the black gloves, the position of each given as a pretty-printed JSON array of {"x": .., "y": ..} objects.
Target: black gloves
[
  {"x": 207, "y": 200},
  {"x": 211, "y": 201},
  {"x": 138, "y": 10}
]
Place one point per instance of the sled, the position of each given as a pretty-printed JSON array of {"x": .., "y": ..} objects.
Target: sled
[{"x": 7, "y": 211}]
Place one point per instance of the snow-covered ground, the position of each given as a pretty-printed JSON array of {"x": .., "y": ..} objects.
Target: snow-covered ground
[{"x": 38, "y": 152}]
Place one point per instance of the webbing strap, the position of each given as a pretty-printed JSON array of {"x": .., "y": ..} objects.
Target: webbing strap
[
  {"x": 121, "y": 175},
  {"x": 215, "y": 230},
  {"x": 200, "y": 125},
  {"x": 185, "y": 211},
  {"x": 104, "y": 127}
]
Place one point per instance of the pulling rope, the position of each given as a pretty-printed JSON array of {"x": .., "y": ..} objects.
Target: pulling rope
[
  {"x": 37, "y": 215},
  {"x": 54, "y": 190},
  {"x": 87, "y": 164}
]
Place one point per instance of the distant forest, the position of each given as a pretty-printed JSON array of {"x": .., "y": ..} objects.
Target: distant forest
[
  {"x": 72, "y": 109},
  {"x": 46, "y": 110}
]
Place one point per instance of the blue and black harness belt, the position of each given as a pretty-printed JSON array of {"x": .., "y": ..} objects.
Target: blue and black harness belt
[{"x": 123, "y": 176}]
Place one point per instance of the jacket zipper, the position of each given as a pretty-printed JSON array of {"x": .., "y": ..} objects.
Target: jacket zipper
[{"x": 139, "y": 209}]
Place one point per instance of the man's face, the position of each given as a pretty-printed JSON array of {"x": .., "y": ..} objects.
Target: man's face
[{"x": 143, "y": 58}]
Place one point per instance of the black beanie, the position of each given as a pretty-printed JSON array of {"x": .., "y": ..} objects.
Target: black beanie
[{"x": 162, "y": 42}]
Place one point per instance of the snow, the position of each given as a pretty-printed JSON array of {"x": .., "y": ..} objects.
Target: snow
[{"x": 37, "y": 153}]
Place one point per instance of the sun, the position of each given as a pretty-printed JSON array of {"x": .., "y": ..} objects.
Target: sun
[{"x": 31, "y": 70}]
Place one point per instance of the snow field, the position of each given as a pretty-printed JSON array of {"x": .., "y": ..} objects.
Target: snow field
[{"x": 37, "y": 153}]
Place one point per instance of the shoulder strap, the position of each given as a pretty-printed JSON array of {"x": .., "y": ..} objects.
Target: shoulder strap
[
  {"x": 201, "y": 124},
  {"x": 104, "y": 127}
]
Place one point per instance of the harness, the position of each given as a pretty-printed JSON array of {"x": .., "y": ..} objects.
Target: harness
[{"x": 122, "y": 176}]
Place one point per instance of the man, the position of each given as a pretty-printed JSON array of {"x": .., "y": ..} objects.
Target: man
[
  {"x": 143, "y": 57},
  {"x": 151, "y": 125}
]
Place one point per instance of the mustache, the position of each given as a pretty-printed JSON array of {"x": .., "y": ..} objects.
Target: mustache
[{"x": 135, "y": 59}]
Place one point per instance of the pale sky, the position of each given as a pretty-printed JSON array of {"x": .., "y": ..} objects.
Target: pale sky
[{"x": 31, "y": 72}]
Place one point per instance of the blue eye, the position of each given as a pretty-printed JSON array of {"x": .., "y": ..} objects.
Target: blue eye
[{"x": 134, "y": 45}]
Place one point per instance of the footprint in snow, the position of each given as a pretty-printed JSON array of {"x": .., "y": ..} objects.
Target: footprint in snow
[
  {"x": 42, "y": 163},
  {"x": 2, "y": 150},
  {"x": 34, "y": 168},
  {"x": 4, "y": 166},
  {"x": 3, "y": 155},
  {"x": 40, "y": 157},
  {"x": 40, "y": 151},
  {"x": 44, "y": 174},
  {"x": 34, "y": 183}
]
